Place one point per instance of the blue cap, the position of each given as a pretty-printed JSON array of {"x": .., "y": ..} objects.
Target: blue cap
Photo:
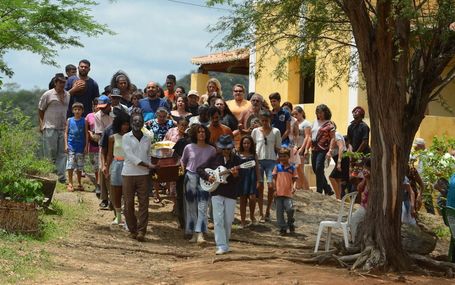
[{"x": 103, "y": 101}]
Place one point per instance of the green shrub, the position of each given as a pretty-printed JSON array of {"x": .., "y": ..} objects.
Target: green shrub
[{"x": 18, "y": 149}]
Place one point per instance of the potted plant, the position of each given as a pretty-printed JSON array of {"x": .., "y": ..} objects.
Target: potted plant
[{"x": 20, "y": 195}]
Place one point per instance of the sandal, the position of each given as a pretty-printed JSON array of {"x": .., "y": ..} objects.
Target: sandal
[
  {"x": 69, "y": 187},
  {"x": 157, "y": 200},
  {"x": 80, "y": 188}
]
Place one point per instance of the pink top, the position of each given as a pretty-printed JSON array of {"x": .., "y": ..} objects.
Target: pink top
[
  {"x": 92, "y": 147},
  {"x": 172, "y": 135}
]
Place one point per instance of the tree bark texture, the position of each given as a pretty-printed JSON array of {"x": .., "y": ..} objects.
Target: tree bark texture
[{"x": 385, "y": 72}]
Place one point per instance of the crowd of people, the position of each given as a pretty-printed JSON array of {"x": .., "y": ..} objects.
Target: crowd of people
[{"x": 114, "y": 131}]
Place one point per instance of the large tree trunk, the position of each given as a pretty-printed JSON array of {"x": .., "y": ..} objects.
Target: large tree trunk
[{"x": 385, "y": 72}]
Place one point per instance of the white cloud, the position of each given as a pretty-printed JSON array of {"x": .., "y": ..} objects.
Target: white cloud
[{"x": 154, "y": 38}]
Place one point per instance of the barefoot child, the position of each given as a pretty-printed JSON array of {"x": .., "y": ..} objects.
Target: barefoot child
[
  {"x": 284, "y": 178},
  {"x": 248, "y": 186},
  {"x": 76, "y": 145}
]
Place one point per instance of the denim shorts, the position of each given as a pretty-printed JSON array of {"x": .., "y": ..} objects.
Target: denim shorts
[
  {"x": 115, "y": 172},
  {"x": 266, "y": 165},
  {"x": 75, "y": 161}
]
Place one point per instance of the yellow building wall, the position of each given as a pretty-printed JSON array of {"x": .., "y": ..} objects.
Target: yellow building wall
[
  {"x": 448, "y": 94},
  {"x": 199, "y": 82},
  {"x": 288, "y": 87},
  {"x": 436, "y": 126},
  {"x": 336, "y": 98}
]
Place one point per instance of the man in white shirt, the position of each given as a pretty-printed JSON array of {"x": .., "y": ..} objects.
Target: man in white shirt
[{"x": 135, "y": 176}]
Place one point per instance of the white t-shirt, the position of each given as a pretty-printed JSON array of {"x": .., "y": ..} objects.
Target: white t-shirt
[
  {"x": 265, "y": 145},
  {"x": 302, "y": 126},
  {"x": 338, "y": 137}
]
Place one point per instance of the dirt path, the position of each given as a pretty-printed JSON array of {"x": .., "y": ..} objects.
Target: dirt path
[{"x": 98, "y": 253}]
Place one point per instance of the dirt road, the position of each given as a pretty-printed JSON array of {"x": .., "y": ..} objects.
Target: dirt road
[{"x": 97, "y": 253}]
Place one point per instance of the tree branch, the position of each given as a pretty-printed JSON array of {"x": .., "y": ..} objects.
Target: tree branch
[{"x": 450, "y": 76}]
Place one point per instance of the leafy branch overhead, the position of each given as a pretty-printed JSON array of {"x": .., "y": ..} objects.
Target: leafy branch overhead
[
  {"x": 42, "y": 27},
  {"x": 418, "y": 33}
]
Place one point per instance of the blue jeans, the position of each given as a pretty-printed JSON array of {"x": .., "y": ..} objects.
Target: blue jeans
[
  {"x": 317, "y": 162},
  {"x": 223, "y": 216},
  {"x": 284, "y": 204},
  {"x": 54, "y": 149},
  {"x": 195, "y": 205}
]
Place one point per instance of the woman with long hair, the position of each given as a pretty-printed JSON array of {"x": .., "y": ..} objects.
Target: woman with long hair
[
  {"x": 115, "y": 158},
  {"x": 227, "y": 118},
  {"x": 303, "y": 138},
  {"x": 323, "y": 142},
  {"x": 121, "y": 81},
  {"x": 196, "y": 154},
  {"x": 213, "y": 86},
  {"x": 249, "y": 182},
  {"x": 181, "y": 109}
]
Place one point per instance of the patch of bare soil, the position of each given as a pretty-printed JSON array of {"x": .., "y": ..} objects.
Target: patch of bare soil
[{"x": 97, "y": 253}]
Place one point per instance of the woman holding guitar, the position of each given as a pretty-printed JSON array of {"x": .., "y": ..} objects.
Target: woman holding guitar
[
  {"x": 198, "y": 153},
  {"x": 225, "y": 195}
]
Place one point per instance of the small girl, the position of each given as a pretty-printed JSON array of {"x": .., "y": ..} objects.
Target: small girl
[
  {"x": 248, "y": 186},
  {"x": 115, "y": 158}
]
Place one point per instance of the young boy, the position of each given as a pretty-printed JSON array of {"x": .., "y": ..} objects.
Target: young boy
[
  {"x": 284, "y": 178},
  {"x": 76, "y": 144}
]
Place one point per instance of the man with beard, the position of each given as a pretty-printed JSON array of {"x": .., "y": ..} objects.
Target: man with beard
[
  {"x": 83, "y": 89},
  {"x": 216, "y": 128},
  {"x": 249, "y": 119},
  {"x": 135, "y": 177},
  {"x": 152, "y": 102}
]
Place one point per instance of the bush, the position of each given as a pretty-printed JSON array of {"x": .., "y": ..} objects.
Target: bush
[{"x": 18, "y": 148}]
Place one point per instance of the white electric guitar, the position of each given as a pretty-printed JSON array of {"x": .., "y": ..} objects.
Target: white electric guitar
[{"x": 221, "y": 174}]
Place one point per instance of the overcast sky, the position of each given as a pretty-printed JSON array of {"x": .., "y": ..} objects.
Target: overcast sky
[{"x": 154, "y": 38}]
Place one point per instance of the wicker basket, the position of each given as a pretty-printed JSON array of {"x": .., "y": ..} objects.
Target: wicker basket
[{"x": 18, "y": 216}]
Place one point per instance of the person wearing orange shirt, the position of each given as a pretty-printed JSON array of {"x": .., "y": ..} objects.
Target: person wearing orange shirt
[
  {"x": 216, "y": 128},
  {"x": 239, "y": 103},
  {"x": 284, "y": 178},
  {"x": 170, "y": 85}
]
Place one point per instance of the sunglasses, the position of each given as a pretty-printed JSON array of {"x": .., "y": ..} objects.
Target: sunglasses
[{"x": 265, "y": 140}]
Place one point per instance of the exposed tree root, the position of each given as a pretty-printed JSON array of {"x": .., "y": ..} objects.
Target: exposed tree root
[
  {"x": 447, "y": 267},
  {"x": 130, "y": 249},
  {"x": 269, "y": 244},
  {"x": 312, "y": 258}
]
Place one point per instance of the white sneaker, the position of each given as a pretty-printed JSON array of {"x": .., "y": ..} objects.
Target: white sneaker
[
  {"x": 193, "y": 238},
  {"x": 200, "y": 238},
  {"x": 220, "y": 251}
]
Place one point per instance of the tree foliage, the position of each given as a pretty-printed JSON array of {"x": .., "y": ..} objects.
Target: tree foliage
[
  {"x": 418, "y": 35},
  {"x": 43, "y": 26}
]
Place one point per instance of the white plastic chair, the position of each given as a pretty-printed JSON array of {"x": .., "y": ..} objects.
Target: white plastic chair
[{"x": 337, "y": 224}]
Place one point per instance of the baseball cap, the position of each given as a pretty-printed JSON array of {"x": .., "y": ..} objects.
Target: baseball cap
[
  {"x": 103, "y": 101},
  {"x": 193, "y": 92},
  {"x": 115, "y": 92}
]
